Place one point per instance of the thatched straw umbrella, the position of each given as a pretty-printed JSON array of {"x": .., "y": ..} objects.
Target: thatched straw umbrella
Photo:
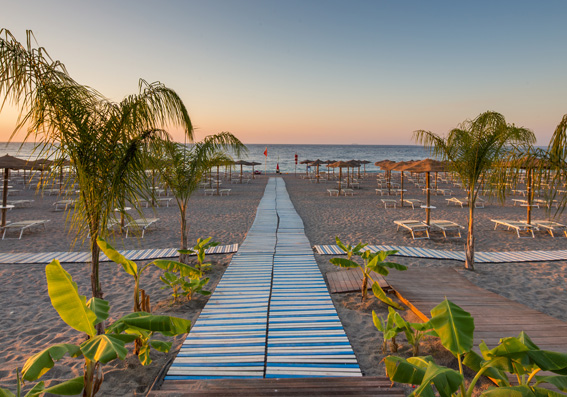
[
  {"x": 241, "y": 163},
  {"x": 10, "y": 163},
  {"x": 427, "y": 166},
  {"x": 306, "y": 162},
  {"x": 364, "y": 162},
  {"x": 317, "y": 163},
  {"x": 387, "y": 166},
  {"x": 341, "y": 165},
  {"x": 253, "y": 164},
  {"x": 401, "y": 166}
]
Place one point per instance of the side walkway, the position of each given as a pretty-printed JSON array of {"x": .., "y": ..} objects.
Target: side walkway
[
  {"x": 271, "y": 314},
  {"x": 479, "y": 256}
]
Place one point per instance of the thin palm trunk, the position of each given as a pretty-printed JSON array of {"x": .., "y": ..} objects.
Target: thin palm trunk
[
  {"x": 469, "y": 247},
  {"x": 184, "y": 258}
]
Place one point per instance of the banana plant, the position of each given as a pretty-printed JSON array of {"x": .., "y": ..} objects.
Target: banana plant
[
  {"x": 414, "y": 331},
  {"x": 388, "y": 328},
  {"x": 98, "y": 349},
  {"x": 518, "y": 356},
  {"x": 131, "y": 268},
  {"x": 199, "y": 249},
  {"x": 194, "y": 286},
  {"x": 373, "y": 262}
]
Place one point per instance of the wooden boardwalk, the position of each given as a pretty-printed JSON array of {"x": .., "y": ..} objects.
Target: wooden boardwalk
[
  {"x": 345, "y": 386},
  {"x": 350, "y": 280},
  {"x": 495, "y": 317}
]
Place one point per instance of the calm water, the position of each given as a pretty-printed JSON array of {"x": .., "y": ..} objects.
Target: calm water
[{"x": 284, "y": 154}]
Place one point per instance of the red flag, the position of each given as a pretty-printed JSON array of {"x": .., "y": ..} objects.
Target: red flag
[
  {"x": 266, "y": 152},
  {"x": 296, "y": 158}
]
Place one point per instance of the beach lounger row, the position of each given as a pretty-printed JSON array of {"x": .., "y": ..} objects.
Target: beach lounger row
[
  {"x": 528, "y": 228},
  {"x": 420, "y": 230},
  {"x": 22, "y": 226}
]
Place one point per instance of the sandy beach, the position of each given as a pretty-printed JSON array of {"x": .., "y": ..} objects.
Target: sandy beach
[{"x": 29, "y": 323}]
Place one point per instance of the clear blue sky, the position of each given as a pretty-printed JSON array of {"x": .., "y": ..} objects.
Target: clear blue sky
[{"x": 366, "y": 72}]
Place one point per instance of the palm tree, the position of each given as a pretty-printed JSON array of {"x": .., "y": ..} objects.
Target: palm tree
[
  {"x": 472, "y": 150},
  {"x": 182, "y": 168},
  {"x": 103, "y": 140}
]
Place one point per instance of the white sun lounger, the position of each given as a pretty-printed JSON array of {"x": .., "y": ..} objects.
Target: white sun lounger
[
  {"x": 447, "y": 226},
  {"x": 389, "y": 203},
  {"x": 551, "y": 226},
  {"x": 479, "y": 203},
  {"x": 20, "y": 203},
  {"x": 140, "y": 224},
  {"x": 64, "y": 204},
  {"x": 414, "y": 227},
  {"x": 518, "y": 226},
  {"x": 413, "y": 202},
  {"x": 23, "y": 225},
  {"x": 524, "y": 203}
]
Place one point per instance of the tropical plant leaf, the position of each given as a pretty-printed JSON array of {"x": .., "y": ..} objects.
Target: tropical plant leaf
[
  {"x": 446, "y": 380},
  {"x": 379, "y": 322},
  {"x": 144, "y": 354},
  {"x": 173, "y": 266},
  {"x": 71, "y": 387},
  {"x": 100, "y": 307},
  {"x": 65, "y": 298},
  {"x": 104, "y": 348},
  {"x": 558, "y": 381},
  {"x": 343, "y": 262},
  {"x": 6, "y": 393},
  {"x": 519, "y": 391},
  {"x": 40, "y": 363},
  {"x": 380, "y": 294},
  {"x": 475, "y": 362},
  {"x": 401, "y": 370},
  {"x": 454, "y": 326},
  {"x": 129, "y": 266},
  {"x": 166, "y": 325},
  {"x": 160, "y": 345}
]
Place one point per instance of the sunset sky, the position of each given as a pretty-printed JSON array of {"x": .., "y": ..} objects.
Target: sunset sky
[{"x": 306, "y": 71}]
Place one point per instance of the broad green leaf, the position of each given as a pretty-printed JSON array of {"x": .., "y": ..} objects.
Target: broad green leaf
[
  {"x": 173, "y": 266},
  {"x": 421, "y": 361},
  {"x": 65, "y": 298},
  {"x": 37, "y": 390},
  {"x": 6, "y": 393},
  {"x": 379, "y": 323},
  {"x": 558, "y": 381},
  {"x": 394, "y": 265},
  {"x": 343, "y": 262},
  {"x": 100, "y": 307},
  {"x": 511, "y": 355},
  {"x": 129, "y": 266},
  {"x": 519, "y": 391},
  {"x": 454, "y": 326},
  {"x": 40, "y": 363},
  {"x": 446, "y": 380},
  {"x": 72, "y": 387},
  {"x": 400, "y": 370},
  {"x": 341, "y": 245},
  {"x": 380, "y": 294},
  {"x": 104, "y": 348},
  {"x": 160, "y": 345},
  {"x": 475, "y": 362},
  {"x": 382, "y": 255},
  {"x": 549, "y": 361},
  {"x": 144, "y": 354},
  {"x": 166, "y": 325},
  {"x": 186, "y": 252}
]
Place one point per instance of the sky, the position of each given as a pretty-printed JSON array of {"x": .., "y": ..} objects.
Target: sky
[{"x": 315, "y": 71}]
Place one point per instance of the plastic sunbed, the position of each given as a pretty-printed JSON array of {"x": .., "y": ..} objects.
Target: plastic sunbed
[
  {"x": 447, "y": 226},
  {"x": 64, "y": 203},
  {"x": 414, "y": 227},
  {"x": 551, "y": 226},
  {"x": 518, "y": 226},
  {"x": 20, "y": 203},
  {"x": 389, "y": 202},
  {"x": 479, "y": 203},
  {"x": 23, "y": 225},
  {"x": 140, "y": 224},
  {"x": 413, "y": 202}
]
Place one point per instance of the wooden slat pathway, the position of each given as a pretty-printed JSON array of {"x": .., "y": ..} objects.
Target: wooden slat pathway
[
  {"x": 271, "y": 316},
  {"x": 495, "y": 316},
  {"x": 358, "y": 386},
  {"x": 350, "y": 280}
]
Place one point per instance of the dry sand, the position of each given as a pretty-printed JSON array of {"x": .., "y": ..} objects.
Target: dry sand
[{"x": 29, "y": 323}]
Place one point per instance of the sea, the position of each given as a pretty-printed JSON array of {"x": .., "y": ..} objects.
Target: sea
[{"x": 283, "y": 155}]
